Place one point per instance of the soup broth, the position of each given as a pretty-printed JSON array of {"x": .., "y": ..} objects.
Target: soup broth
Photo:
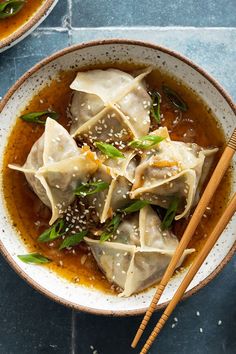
[
  {"x": 30, "y": 216},
  {"x": 11, "y": 24}
]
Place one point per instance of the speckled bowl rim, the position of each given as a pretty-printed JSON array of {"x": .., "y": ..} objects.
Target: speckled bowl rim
[
  {"x": 41, "y": 64},
  {"x": 23, "y": 29}
]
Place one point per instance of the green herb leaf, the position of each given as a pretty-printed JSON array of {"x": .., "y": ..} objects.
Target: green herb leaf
[
  {"x": 35, "y": 117},
  {"x": 110, "y": 228},
  {"x": 175, "y": 99},
  {"x": 156, "y": 105},
  {"x": 136, "y": 206},
  {"x": 73, "y": 240},
  {"x": 10, "y": 8},
  {"x": 146, "y": 142},
  {"x": 108, "y": 149},
  {"x": 33, "y": 258},
  {"x": 55, "y": 231},
  {"x": 170, "y": 214},
  {"x": 90, "y": 188}
]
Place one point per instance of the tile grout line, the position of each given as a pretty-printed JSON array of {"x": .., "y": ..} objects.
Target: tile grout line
[
  {"x": 73, "y": 332},
  {"x": 67, "y": 27},
  {"x": 69, "y": 4}
]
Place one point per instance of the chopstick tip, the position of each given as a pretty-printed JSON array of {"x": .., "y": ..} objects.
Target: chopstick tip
[{"x": 136, "y": 338}]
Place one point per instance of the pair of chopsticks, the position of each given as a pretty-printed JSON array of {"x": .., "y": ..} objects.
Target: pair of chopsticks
[{"x": 214, "y": 182}]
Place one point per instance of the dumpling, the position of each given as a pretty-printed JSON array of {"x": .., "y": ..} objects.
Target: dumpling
[
  {"x": 109, "y": 101},
  {"x": 124, "y": 166},
  {"x": 138, "y": 253},
  {"x": 170, "y": 169},
  {"x": 55, "y": 166},
  {"x": 110, "y": 125},
  {"x": 116, "y": 196}
]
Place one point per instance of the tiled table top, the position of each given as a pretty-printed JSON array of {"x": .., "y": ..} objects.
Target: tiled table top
[{"x": 32, "y": 324}]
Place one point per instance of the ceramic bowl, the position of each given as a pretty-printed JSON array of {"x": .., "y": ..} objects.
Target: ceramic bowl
[
  {"x": 49, "y": 283},
  {"x": 24, "y": 30}
]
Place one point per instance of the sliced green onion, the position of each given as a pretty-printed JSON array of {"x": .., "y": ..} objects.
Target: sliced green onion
[
  {"x": 156, "y": 106},
  {"x": 33, "y": 258},
  {"x": 136, "y": 206},
  {"x": 175, "y": 99},
  {"x": 110, "y": 228},
  {"x": 90, "y": 188},
  {"x": 170, "y": 214},
  {"x": 55, "y": 231},
  {"x": 73, "y": 240},
  {"x": 146, "y": 142},
  {"x": 10, "y": 8},
  {"x": 35, "y": 117},
  {"x": 108, "y": 150}
]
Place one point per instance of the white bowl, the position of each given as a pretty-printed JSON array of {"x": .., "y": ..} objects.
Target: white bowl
[
  {"x": 41, "y": 278},
  {"x": 25, "y": 29}
]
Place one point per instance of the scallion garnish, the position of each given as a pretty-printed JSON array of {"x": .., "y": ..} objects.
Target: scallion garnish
[
  {"x": 175, "y": 99},
  {"x": 146, "y": 142},
  {"x": 73, "y": 240},
  {"x": 33, "y": 258},
  {"x": 35, "y": 117},
  {"x": 90, "y": 188},
  {"x": 55, "y": 231},
  {"x": 136, "y": 206},
  {"x": 10, "y": 8},
  {"x": 108, "y": 150},
  {"x": 170, "y": 214},
  {"x": 156, "y": 105},
  {"x": 110, "y": 228}
]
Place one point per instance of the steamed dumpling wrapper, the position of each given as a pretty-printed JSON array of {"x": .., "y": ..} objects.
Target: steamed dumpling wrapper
[
  {"x": 124, "y": 166},
  {"x": 119, "y": 174},
  {"x": 138, "y": 254},
  {"x": 116, "y": 196},
  {"x": 55, "y": 166},
  {"x": 172, "y": 169},
  {"x": 105, "y": 99}
]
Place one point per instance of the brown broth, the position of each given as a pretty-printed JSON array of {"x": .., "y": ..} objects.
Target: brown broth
[
  {"x": 196, "y": 125},
  {"x": 11, "y": 24}
]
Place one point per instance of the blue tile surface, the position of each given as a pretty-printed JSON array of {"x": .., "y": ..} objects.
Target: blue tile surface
[
  {"x": 90, "y": 13},
  {"x": 31, "y": 323},
  {"x": 59, "y": 17},
  {"x": 181, "y": 334}
]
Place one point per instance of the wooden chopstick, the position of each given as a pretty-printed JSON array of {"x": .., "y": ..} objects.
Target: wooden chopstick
[
  {"x": 215, "y": 180},
  {"x": 220, "y": 226}
]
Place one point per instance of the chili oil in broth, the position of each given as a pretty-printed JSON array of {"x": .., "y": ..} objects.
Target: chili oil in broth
[
  {"x": 9, "y": 25},
  {"x": 30, "y": 216}
]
